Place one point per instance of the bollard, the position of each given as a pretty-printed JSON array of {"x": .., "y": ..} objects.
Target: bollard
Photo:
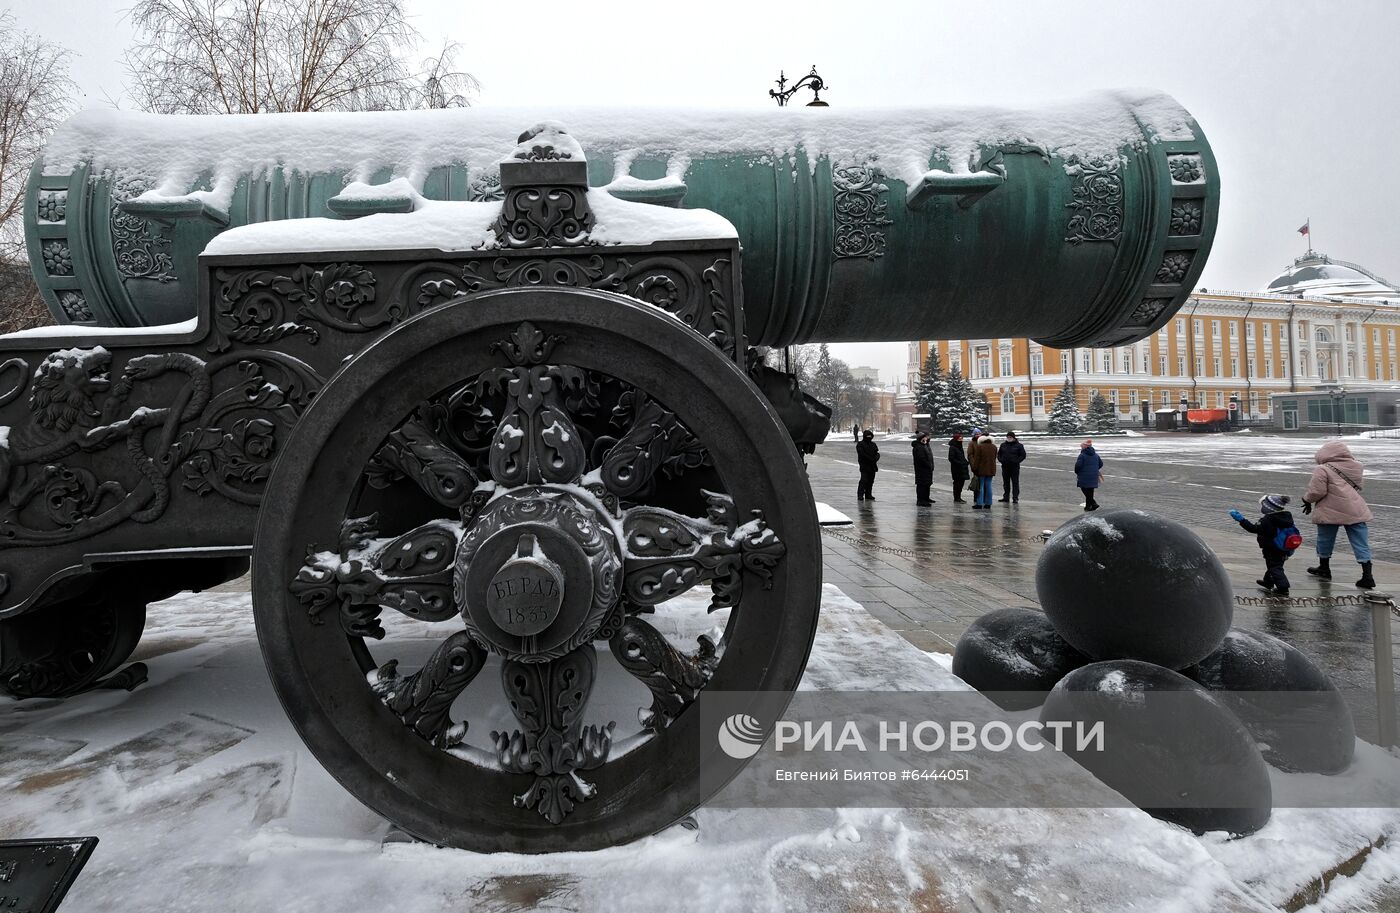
[{"x": 1381, "y": 604}]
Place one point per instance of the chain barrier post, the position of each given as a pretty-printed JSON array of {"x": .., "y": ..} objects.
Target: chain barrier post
[{"x": 1381, "y": 606}]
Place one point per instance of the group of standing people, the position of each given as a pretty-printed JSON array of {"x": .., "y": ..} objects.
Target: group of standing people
[{"x": 979, "y": 462}]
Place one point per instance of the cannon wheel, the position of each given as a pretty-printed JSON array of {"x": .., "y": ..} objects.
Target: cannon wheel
[
  {"x": 68, "y": 649},
  {"x": 550, "y": 503}
]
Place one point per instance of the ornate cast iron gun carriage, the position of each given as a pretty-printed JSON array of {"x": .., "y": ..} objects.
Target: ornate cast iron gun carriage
[{"x": 465, "y": 444}]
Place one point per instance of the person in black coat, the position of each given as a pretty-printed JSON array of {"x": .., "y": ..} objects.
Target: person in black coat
[
  {"x": 923, "y": 469},
  {"x": 1276, "y": 519},
  {"x": 867, "y": 455},
  {"x": 957, "y": 463},
  {"x": 1011, "y": 454}
]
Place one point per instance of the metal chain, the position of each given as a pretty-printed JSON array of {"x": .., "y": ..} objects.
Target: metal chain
[
  {"x": 1350, "y": 599},
  {"x": 921, "y": 553}
]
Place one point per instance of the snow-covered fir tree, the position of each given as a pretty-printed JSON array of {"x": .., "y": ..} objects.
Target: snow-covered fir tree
[
  {"x": 959, "y": 406},
  {"x": 1064, "y": 413},
  {"x": 926, "y": 398},
  {"x": 1102, "y": 415}
]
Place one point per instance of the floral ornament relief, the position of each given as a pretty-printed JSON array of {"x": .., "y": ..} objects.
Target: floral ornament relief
[
  {"x": 253, "y": 305},
  {"x": 58, "y": 260},
  {"x": 74, "y": 306},
  {"x": 1186, "y": 169},
  {"x": 1186, "y": 217},
  {"x": 52, "y": 205},
  {"x": 1174, "y": 268},
  {"x": 140, "y": 248},
  {"x": 1097, "y": 204},
  {"x": 861, "y": 212}
]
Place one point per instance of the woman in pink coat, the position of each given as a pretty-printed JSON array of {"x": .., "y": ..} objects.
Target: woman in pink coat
[{"x": 1334, "y": 499}]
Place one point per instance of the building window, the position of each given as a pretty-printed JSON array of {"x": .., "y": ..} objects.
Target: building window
[
  {"x": 1254, "y": 402},
  {"x": 1127, "y": 362},
  {"x": 1215, "y": 366},
  {"x": 1234, "y": 329},
  {"x": 1234, "y": 367},
  {"x": 1037, "y": 363},
  {"x": 1086, "y": 361},
  {"x": 1351, "y": 333},
  {"x": 1249, "y": 331},
  {"x": 1166, "y": 398},
  {"x": 1008, "y": 403},
  {"x": 1267, "y": 327},
  {"x": 1390, "y": 337},
  {"x": 1162, "y": 365},
  {"x": 1249, "y": 366},
  {"x": 1283, "y": 332},
  {"x": 1376, "y": 336},
  {"x": 1064, "y": 362},
  {"x": 1181, "y": 366},
  {"x": 1181, "y": 326},
  {"x": 984, "y": 363},
  {"x": 1113, "y": 397},
  {"x": 1146, "y": 358},
  {"x": 955, "y": 360},
  {"x": 1005, "y": 364},
  {"x": 1197, "y": 327},
  {"x": 1107, "y": 362},
  {"x": 1268, "y": 367},
  {"x": 1220, "y": 399},
  {"x": 1215, "y": 328},
  {"x": 1038, "y": 399},
  {"x": 1133, "y": 397},
  {"x": 1200, "y": 365}
]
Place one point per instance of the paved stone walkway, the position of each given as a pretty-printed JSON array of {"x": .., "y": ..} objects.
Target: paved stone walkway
[{"x": 929, "y": 572}]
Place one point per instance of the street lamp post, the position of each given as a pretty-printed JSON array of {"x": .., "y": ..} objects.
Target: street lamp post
[
  {"x": 1338, "y": 395},
  {"x": 811, "y": 81}
]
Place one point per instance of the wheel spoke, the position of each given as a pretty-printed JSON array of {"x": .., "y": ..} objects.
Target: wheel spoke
[
  {"x": 654, "y": 440},
  {"x": 673, "y": 678},
  {"x": 411, "y": 573},
  {"x": 553, "y": 744},
  {"x": 423, "y": 700},
  {"x": 668, "y": 553},
  {"x": 415, "y": 452}
]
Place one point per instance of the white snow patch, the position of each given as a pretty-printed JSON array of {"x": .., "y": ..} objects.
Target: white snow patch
[
  {"x": 170, "y": 150},
  {"x": 830, "y": 516},
  {"x": 76, "y": 332},
  {"x": 1104, "y": 528},
  {"x": 455, "y": 225}
]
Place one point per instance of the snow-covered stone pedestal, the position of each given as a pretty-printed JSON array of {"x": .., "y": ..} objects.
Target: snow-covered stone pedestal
[{"x": 204, "y": 798}]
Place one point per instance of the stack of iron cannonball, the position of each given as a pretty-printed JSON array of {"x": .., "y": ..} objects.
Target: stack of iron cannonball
[{"x": 1136, "y": 634}]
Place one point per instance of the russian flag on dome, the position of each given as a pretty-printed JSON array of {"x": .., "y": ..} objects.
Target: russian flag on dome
[{"x": 1305, "y": 229}]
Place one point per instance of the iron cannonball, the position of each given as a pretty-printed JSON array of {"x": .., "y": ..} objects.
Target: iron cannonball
[
  {"x": 1169, "y": 746},
  {"x": 1128, "y": 584},
  {"x": 1015, "y": 656},
  {"x": 1289, "y": 705}
]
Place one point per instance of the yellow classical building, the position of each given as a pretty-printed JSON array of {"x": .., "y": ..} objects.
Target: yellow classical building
[{"x": 1321, "y": 323}]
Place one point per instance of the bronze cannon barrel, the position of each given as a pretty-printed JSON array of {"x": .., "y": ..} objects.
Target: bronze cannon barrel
[{"x": 1080, "y": 224}]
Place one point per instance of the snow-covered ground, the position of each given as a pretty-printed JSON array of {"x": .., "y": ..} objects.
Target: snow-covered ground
[
  {"x": 1236, "y": 450},
  {"x": 204, "y": 799}
]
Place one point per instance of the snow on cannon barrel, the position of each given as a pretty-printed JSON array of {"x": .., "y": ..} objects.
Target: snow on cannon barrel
[{"x": 1079, "y": 224}]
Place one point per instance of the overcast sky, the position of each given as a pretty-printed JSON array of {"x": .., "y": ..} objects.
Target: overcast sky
[{"x": 1300, "y": 100}]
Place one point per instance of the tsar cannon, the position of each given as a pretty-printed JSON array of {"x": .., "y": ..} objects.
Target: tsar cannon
[{"x": 487, "y": 413}]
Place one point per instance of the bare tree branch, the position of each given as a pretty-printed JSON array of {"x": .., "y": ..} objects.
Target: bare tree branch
[
  {"x": 254, "y": 56},
  {"x": 35, "y": 95}
]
